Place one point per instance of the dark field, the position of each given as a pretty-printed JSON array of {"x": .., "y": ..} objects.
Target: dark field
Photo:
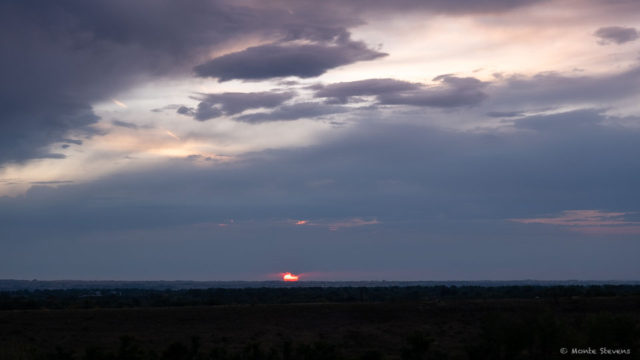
[{"x": 349, "y": 323}]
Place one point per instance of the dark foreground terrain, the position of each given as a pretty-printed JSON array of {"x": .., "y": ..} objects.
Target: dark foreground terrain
[{"x": 323, "y": 323}]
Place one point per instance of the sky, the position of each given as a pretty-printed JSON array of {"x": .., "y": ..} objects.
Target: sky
[{"x": 337, "y": 140}]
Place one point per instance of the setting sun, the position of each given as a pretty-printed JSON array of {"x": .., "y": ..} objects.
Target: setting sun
[{"x": 289, "y": 277}]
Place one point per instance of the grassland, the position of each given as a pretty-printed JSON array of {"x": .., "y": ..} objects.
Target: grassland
[{"x": 441, "y": 327}]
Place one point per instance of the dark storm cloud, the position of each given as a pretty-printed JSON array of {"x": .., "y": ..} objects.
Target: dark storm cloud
[
  {"x": 28, "y": 124},
  {"x": 281, "y": 60},
  {"x": 305, "y": 110},
  {"x": 60, "y": 57},
  {"x": 323, "y": 48},
  {"x": 616, "y": 34}
]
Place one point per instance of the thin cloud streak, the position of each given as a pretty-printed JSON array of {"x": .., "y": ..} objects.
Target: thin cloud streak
[
  {"x": 119, "y": 103},
  {"x": 335, "y": 225},
  {"x": 595, "y": 222},
  {"x": 173, "y": 135}
]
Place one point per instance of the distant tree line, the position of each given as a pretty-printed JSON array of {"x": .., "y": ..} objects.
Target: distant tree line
[{"x": 121, "y": 298}]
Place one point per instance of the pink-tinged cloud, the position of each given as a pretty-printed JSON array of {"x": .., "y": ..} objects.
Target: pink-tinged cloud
[
  {"x": 119, "y": 103},
  {"x": 608, "y": 230},
  {"x": 579, "y": 218},
  {"x": 336, "y": 225},
  {"x": 355, "y": 222},
  {"x": 594, "y": 222},
  {"x": 212, "y": 225},
  {"x": 227, "y": 223}
]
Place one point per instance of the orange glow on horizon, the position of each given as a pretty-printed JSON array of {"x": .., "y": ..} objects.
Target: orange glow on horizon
[
  {"x": 289, "y": 277},
  {"x": 301, "y": 222}
]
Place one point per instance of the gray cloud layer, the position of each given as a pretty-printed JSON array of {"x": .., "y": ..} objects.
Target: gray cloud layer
[
  {"x": 616, "y": 34},
  {"x": 231, "y": 103},
  {"x": 431, "y": 188},
  {"x": 555, "y": 89},
  {"x": 342, "y": 91},
  {"x": 453, "y": 91},
  {"x": 515, "y": 93},
  {"x": 302, "y": 110}
]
